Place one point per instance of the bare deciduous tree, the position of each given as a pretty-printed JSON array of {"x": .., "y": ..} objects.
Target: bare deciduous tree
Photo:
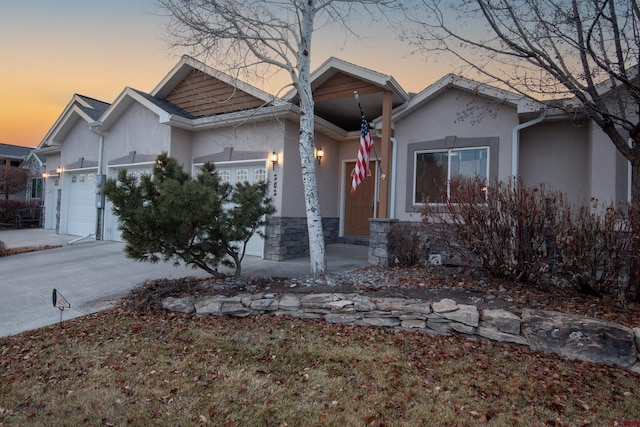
[
  {"x": 249, "y": 34},
  {"x": 13, "y": 180},
  {"x": 586, "y": 51}
]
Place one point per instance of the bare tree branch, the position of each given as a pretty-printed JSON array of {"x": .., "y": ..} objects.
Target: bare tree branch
[{"x": 250, "y": 35}]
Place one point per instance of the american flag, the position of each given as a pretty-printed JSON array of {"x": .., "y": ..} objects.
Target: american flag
[{"x": 366, "y": 145}]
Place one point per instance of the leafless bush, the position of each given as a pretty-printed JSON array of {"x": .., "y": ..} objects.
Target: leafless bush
[
  {"x": 594, "y": 247},
  {"x": 405, "y": 244},
  {"x": 534, "y": 235},
  {"x": 506, "y": 228}
]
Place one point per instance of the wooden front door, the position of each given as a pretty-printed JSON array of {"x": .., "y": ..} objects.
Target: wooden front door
[{"x": 358, "y": 207}]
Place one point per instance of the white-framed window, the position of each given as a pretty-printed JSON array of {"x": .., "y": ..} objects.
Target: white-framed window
[
  {"x": 74, "y": 179},
  {"x": 260, "y": 174},
  {"x": 82, "y": 178},
  {"x": 242, "y": 175},
  {"x": 91, "y": 178},
  {"x": 435, "y": 170},
  {"x": 36, "y": 188},
  {"x": 225, "y": 176}
]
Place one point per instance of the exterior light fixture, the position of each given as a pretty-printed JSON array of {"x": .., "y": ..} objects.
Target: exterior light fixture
[
  {"x": 44, "y": 175},
  {"x": 320, "y": 155},
  {"x": 59, "y": 170},
  {"x": 274, "y": 159}
]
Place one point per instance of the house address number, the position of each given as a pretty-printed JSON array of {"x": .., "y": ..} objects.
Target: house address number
[{"x": 275, "y": 184}]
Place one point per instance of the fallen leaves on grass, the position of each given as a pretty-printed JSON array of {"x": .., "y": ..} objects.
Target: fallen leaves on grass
[{"x": 123, "y": 367}]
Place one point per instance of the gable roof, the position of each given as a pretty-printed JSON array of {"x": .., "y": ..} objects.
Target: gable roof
[
  {"x": 334, "y": 82},
  {"x": 452, "y": 81},
  {"x": 35, "y": 158},
  {"x": 163, "y": 109},
  {"x": 80, "y": 107},
  {"x": 203, "y": 91}
]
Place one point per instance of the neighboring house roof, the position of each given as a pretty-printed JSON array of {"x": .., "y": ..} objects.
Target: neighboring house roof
[
  {"x": 327, "y": 84},
  {"x": 14, "y": 152},
  {"x": 79, "y": 108},
  {"x": 38, "y": 159}
]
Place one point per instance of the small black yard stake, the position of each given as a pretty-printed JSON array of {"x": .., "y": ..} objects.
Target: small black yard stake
[{"x": 60, "y": 302}]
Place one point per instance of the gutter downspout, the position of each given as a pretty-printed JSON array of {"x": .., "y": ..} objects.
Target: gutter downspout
[
  {"x": 515, "y": 141},
  {"x": 95, "y": 129},
  {"x": 394, "y": 161}
]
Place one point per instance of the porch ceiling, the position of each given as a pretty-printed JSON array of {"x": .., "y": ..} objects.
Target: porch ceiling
[
  {"x": 344, "y": 112},
  {"x": 333, "y": 85}
]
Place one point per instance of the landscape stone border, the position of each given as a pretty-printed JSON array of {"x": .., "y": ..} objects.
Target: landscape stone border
[{"x": 569, "y": 336}]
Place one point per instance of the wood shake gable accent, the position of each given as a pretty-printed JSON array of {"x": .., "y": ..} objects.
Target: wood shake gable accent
[
  {"x": 341, "y": 86},
  {"x": 200, "y": 94}
]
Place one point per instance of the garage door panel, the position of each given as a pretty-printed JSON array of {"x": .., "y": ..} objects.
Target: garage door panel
[
  {"x": 81, "y": 213},
  {"x": 251, "y": 173},
  {"x": 112, "y": 231}
]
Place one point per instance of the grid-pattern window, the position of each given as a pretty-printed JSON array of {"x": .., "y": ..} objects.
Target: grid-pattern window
[
  {"x": 225, "y": 176},
  {"x": 242, "y": 175},
  {"x": 259, "y": 175},
  {"x": 434, "y": 171}
]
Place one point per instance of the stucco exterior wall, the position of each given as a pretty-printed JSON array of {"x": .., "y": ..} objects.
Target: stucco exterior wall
[
  {"x": 454, "y": 114},
  {"x": 557, "y": 154},
  {"x": 250, "y": 136},
  {"x": 180, "y": 147},
  {"x": 79, "y": 142},
  {"x": 137, "y": 129},
  {"x": 607, "y": 169},
  {"x": 292, "y": 188},
  {"x": 328, "y": 175}
]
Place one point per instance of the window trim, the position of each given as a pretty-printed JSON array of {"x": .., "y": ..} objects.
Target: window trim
[
  {"x": 448, "y": 151},
  {"x": 448, "y": 143},
  {"x": 37, "y": 190}
]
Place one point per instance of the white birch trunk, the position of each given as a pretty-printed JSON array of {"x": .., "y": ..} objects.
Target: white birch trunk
[{"x": 314, "y": 219}]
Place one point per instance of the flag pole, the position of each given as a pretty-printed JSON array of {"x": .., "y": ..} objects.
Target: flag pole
[
  {"x": 357, "y": 97},
  {"x": 375, "y": 152}
]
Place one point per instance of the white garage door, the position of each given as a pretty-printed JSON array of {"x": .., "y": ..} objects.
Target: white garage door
[
  {"x": 81, "y": 213},
  {"x": 111, "y": 221},
  {"x": 252, "y": 172}
]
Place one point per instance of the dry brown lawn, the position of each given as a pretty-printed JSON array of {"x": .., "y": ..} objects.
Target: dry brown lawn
[{"x": 120, "y": 367}]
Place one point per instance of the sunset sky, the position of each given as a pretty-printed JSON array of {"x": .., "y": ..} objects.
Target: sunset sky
[{"x": 53, "y": 49}]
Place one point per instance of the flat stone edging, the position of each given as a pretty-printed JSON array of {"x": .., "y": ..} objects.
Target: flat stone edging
[{"x": 570, "y": 336}]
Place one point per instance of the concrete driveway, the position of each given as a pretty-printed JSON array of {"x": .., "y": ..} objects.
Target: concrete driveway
[{"x": 93, "y": 275}]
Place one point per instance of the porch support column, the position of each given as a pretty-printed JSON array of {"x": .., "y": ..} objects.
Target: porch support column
[{"x": 385, "y": 155}]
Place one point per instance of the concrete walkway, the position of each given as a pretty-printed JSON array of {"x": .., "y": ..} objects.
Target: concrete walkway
[{"x": 92, "y": 275}]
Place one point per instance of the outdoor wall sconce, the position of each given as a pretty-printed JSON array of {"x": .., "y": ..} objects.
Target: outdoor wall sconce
[
  {"x": 274, "y": 159},
  {"x": 59, "y": 170},
  {"x": 320, "y": 155},
  {"x": 44, "y": 175}
]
